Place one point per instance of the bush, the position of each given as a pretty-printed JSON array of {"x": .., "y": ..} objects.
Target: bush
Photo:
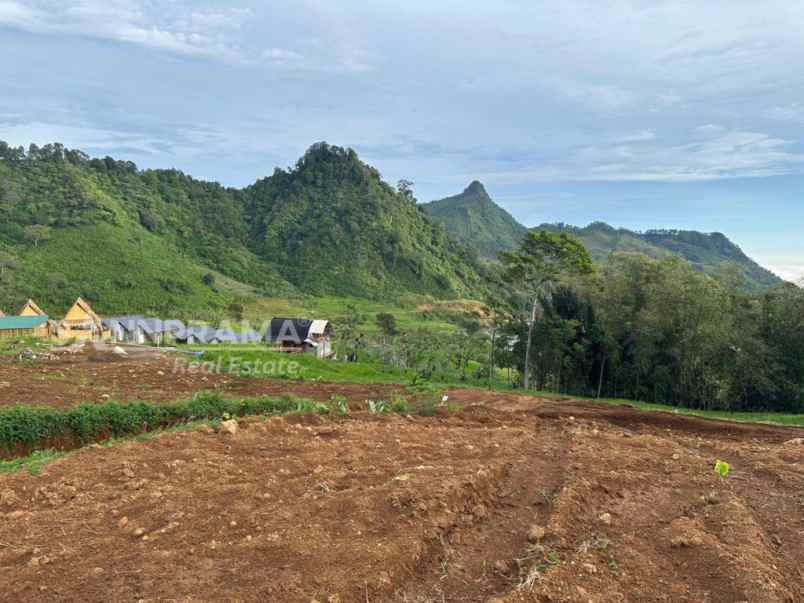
[{"x": 33, "y": 427}]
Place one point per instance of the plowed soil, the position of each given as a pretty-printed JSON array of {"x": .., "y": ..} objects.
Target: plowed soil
[{"x": 511, "y": 499}]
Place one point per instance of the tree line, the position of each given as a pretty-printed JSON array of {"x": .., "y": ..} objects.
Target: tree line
[{"x": 644, "y": 329}]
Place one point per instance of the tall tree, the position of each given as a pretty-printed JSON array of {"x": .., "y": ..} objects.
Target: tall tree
[{"x": 532, "y": 270}]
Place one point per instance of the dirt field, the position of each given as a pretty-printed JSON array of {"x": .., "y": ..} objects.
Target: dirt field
[
  {"x": 67, "y": 379},
  {"x": 512, "y": 499}
]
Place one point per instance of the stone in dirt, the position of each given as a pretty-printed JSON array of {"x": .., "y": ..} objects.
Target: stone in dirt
[
  {"x": 605, "y": 519},
  {"x": 229, "y": 427},
  {"x": 536, "y": 534}
]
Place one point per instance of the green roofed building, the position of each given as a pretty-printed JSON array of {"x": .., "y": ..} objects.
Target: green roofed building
[{"x": 23, "y": 326}]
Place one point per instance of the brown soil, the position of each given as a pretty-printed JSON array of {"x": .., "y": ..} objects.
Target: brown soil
[
  {"x": 511, "y": 499},
  {"x": 97, "y": 376}
]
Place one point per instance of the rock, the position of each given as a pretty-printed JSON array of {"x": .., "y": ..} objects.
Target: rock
[
  {"x": 123, "y": 522},
  {"x": 536, "y": 534},
  {"x": 8, "y": 498},
  {"x": 795, "y": 442},
  {"x": 139, "y": 532},
  {"x": 119, "y": 351},
  {"x": 502, "y": 566},
  {"x": 98, "y": 571},
  {"x": 605, "y": 519},
  {"x": 229, "y": 427},
  {"x": 590, "y": 568},
  {"x": 676, "y": 456}
]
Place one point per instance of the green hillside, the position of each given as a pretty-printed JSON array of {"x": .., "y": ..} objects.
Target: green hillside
[
  {"x": 161, "y": 241},
  {"x": 476, "y": 221},
  {"x": 331, "y": 225},
  {"x": 707, "y": 252}
]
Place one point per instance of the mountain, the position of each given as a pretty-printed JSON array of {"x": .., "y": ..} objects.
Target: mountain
[
  {"x": 708, "y": 252},
  {"x": 475, "y": 220},
  {"x": 134, "y": 240}
]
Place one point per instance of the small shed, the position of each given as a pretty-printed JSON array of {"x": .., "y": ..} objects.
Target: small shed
[
  {"x": 31, "y": 309},
  {"x": 81, "y": 323},
  {"x": 301, "y": 335},
  {"x": 23, "y": 326}
]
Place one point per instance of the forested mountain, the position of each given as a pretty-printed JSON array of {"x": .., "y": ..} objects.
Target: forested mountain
[
  {"x": 709, "y": 253},
  {"x": 159, "y": 240},
  {"x": 476, "y": 221}
]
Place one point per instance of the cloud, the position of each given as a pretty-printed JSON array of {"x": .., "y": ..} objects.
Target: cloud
[
  {"x": 723, "y": 155},
  {"x": 129, "y": 21}
]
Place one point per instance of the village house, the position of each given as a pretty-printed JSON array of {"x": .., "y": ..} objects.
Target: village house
[
  {"x": 143, "y": 331},
  {"x": 31, "y": 309},
  {"x": 24, "y": 326},
  {"x": 298, "y": 335},
  {"x": 81, "y": 323}
]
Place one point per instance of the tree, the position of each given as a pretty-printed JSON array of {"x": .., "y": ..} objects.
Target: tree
[
  {"x": 7, "y": 262},
  {"x": 36, "y": 233},
  {"x": 530, "y": 272},
  {"x": 209, "y": 280},
  {"x": 405, "y": 188},
  {"x": 387, "y": 324}
]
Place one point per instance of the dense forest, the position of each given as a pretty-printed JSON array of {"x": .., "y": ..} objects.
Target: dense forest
[{"x": 658, "y": 331}]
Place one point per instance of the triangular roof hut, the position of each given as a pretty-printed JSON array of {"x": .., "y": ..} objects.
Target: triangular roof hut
[{"x": 31, "y": 309}]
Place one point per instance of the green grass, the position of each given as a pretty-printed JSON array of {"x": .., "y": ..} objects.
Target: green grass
[
  {"x": 302, "y": 367},
  {"x": 773, "y": 418},
  {"x": 411, "y": 312},
  {"x": 33, "y": 463}
]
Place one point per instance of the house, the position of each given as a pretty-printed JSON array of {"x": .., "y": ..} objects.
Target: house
[
  {"x": 301, "y": 335},
  {"x": 143, "y": 331},
  {"x": 23, "y": 326},
  {"x": 31, "y": 309},
  {"x": 81, "y": 322},
  {"x": 197, "y": 335}
]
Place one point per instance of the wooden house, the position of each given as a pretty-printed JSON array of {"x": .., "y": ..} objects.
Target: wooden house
[
  {"x": 31, "y": 309},
  {"x": 23, "y": 326},
  {"x": 301, "y": 335},
  {"x": 81, "y": 323}
]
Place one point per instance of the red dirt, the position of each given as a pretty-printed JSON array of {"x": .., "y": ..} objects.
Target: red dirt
[
  {"x": 620, "y": 505},
  {"x": 72, "y": 378}
]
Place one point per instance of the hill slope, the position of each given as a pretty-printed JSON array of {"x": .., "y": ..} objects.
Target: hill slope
[
  {"x": 707, "y": 252},
  {"x": 161, "y": 241},
  {"x": 476, "y": 221}
]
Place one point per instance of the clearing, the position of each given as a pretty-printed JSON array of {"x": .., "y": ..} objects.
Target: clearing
[{"x": 512, "y": 498}]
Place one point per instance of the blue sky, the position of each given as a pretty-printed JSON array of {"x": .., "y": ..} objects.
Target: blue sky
[{"x": 642, "y": 114}]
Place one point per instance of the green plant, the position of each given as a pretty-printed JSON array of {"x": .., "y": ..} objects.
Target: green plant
[
  {"x": 378, "y": 406},
  {"x": 722, "y": 468},
  {"x": 340, "y": 402}
]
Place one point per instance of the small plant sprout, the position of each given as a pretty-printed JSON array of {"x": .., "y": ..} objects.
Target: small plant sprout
[
  {"x": 722, "y": 468},
  {"x": 378, "y": 406}
]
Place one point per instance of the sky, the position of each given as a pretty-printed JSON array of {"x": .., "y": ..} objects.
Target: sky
[{"x": 643, "y": 113}]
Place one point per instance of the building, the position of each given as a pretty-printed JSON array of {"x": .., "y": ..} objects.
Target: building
[
  {"x": 2, "y": 314},
  {"x": 31, "y": 309},
  {"x": 301, "y": 335},
  {"x": 81, "y": 323},
  {"x": 143, "y": 331},
  {"x": 198, "y": 335},
  {"x": 23, "y": 326}
]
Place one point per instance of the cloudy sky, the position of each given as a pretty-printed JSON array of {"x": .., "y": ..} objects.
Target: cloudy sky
[{"x": 642, "y": 114}]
